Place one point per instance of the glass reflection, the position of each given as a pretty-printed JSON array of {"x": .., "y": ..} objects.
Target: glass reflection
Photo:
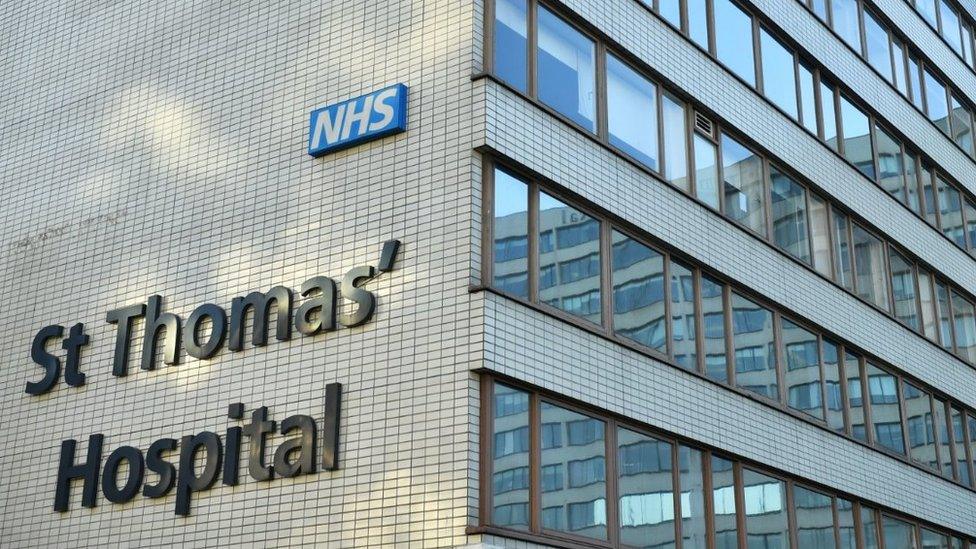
[
  {"x": 638, "y": 292},
  {"x": 510, "y": 47},
  {"x": 921, "y": 429},
  {"x": 706, "y": 171},
  {"x": 566, "y": 69},
  {"x": 742, "y": 175},
  {"x": 683, "y": 316},
  {"x": 903, "y": 289},
  {"x": 814, "y": 519},
  {"x": 733, "y": 39},
  {"x": 789, "y": 207},
  {"x": 779, "y": 73},
  {"x": 898, "y": 534},
  {"x": 765, "y": 510},
  {"x": 855, "y": 396},
  {"x": 845, "y": 524},
  {"x": 691, "y": 481},
  {"x": 869, "y": 263},
  {"x": 632, "y": 112},
  {"x": 885, "y": 409},
  {"x": 713, "y": 328},
  {"x": 646, "y": 491},
  {"x": 723, "y": 503},
  {"x": 801, "y": 353},
  {"x": 832, "y": 386},
  {"x": 569, "y": 259},
  {"x": 511, "y": 235},
  {"x": 510, "y": 458},
  {"x": 857, "y": 137},
  {"x": 755, "y": 356}
]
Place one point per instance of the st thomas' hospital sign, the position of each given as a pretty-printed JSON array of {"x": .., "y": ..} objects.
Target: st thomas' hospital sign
[{"x": 317, "y": 313}]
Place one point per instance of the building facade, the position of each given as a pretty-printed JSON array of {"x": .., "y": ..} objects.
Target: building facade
[{"x": 676, "y": 274}]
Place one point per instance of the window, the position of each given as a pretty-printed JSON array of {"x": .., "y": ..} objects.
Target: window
[
  {"x": 885, "y": 410},
  {"x": 683, "y": 316},
  {"x": 832, "y": 386},
  {"x": 671, "y": 11},
  {"x": 733, "y": 39},
  {"x": 698, "y": 22},
  {"x": 577, "y": 236},
  {"x": 878, "y": 46},
  {"x": 638, "y": 293},
  {"x": 842, "y": 250},
  {"x": 950, "y": 210},
  {"x": 930, "y": 195},
  {"x": 552, "y": 478},
  {"x": 928, "y": 10},
  {"x": 632, "y": 112},
  {"x": 584, "y": 507},
  {"x": 510, "y": 495},
  {"x": 912, "y": 183},
  {"x": 814, "y": 519},
  {"x": 752, "y": 326},
  {"x": 646, "y": 490},
  {"x": 846, "y": 22},
  {"x": 713, "y": 329},
  {"x": 855, "y": 396},
  {"x": 675, "y": 142},
  {"x": 846, "y": 528},
  {"x": 723, "y": 503},
  {"x": 857, "y": 137},
  {"x": 706, "y": 171},
  {"x": 945, "y": 315},
  {"x": 971, "y": 224},
  {"x": 742, "y": 175},
  {"x": 921, "y": 429},
  {"x": 950, "y": 26},
  {"x": 964, "y": 320},
  {"x": 511, "y": 233},
  {"x": 901, "y": 76},
  {"x": 903, "y": 289},
  {"x": 691, "y": 480},
  {"x": 935, "y": 100},
  {"x": 789, "y": 208},
  {"x": 927, "y": 300},
  {"x": 828, "y": 101},
  {"x": 898, "y": 534},
  {"x": 778, "y": 73},
  {"x": 566, "y": 70},
  {"x": 971, "y": 424},
  {"x": 808, "y": 100},
  {"x": 959, "y": 439},
  {"x": 869, "y": 263},
  {"x": 511, "y": 43},
  {"x": 820, "y": 235},
  {"x": 915, "y": 82},
  {"x": 869, "y": 527},
  {"x": 765, "y": 510},
  {"x": 891, "y": 167},
  {"x": 802, "y": 357},
  {"x": 933, "y": 540},
  {"x": 962, "y": 126},
  {"x": 942, "y": 429}
]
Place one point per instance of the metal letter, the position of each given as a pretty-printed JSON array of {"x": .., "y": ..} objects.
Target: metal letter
[
  {"x": 256, "y": 431},
  {"x": 388, "y": 256},
  {"x": 303, "y": 445},
  {"x": 187, "y": 482},
  {"x": 77, "y": 339},
  {"x": 218, "y": 329},
  {"x": 163, "y": 468},
  {"x": 68, "y": 470},
  {"x": 123, "y": 317},
  {"x": 261, "y": 306},
  {"x": 46, "y": 360},
  {"x": 134, "y": 480},
  {"x": 156, "y": 321},
  {"x": 330, "y": 428},
  {"x": 324, "y": 304},
  {"x": 365, "y": 300}
]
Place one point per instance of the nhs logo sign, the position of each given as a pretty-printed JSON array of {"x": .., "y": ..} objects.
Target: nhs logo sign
[{"x": 355, "y": 121}]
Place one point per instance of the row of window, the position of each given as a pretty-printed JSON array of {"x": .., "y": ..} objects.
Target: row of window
[
  {"x": 686, "y": 315},
  {"x": 952, "y": 23},
  {"x": 901, "y": 65},
  {"x": 627, "y": 487},
  {"x": 652, "y": 126}
]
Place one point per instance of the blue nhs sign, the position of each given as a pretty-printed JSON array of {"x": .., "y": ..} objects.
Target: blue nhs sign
[{"x": 354, "y": 121}]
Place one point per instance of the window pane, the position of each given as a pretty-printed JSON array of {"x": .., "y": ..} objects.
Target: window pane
[
  {"x": 959, "y": 438},
  {"x": 569, "y": 259},
  {"x": 646, "y": 492},
  {"x": 832, "y": 381},
  {"x": 671, "y": 11},
  {"x": 846, "y": 22},
  {"x": 971, "y": 223},
  {"x": 820, "y": 230},
  {"x": 950, "y": 26},
  {"x": 901, "y": 77},
  {"x": 929, "y": 193},
  {"x": 743, "y": 178},
  {"x": 911, "y": 179},
  {"x": 878, "y": 47},
  {"x": 733, "y": 39},
  {"x": 706, "y": 171},
  {"x": 967, "y": 44},
  {"x": 857, "y": 137},
  {"x": 698, "y": 22},
  {"x": 692, "y": 487},
  {"x": 845, "y": 525},
  {"x": 755, "y": 357},
  {"x": 942, "y": 428},
  {"x": 898, "y": 534},
  {"x": 885, "y": 410},
  {"x": 842, "y": 250},
  {"x": 638, "y": 293},
  {"x": 789, "y": 207},
  {"x": 802, "y": 356},
  {"x": 935, "y": 98},
  {"x": 510, "y": 47},
  {"x": 829, "y": 114},
  {"x": 723, "y": 500},
  {"x": 869, "y": 528},
  {"x": 713, "y": 316},
  {"x": 779, "y": 73},
  {"x": 971, "y": 421},
  {"x": 870, "y": 266},
  {"x": 566, "y": 69},
  {"x": 891, "y": 166},
  {"x": 962, "y": 126},
  {"x": 945, "y": 315},
  {"x": 820, "y": 9},
  {"x": 814, "y": 519},
  {"x": 510, "y": 458},
  {"x": 675, "y": 142},
  {"x": 632, "y": 112},
  {"x": 921, "y": 429},
  {"x": 934, "y": 540},
  {"x": 915, "y": 82},
  {"x": 929, "y": 322},
  {"x": 950, "y": 206},
  {"x": 683, "y": 316},
  {"x": 855, "y": 396},
  {"x": 581, "y": 507},
  {"x": 903, "y": 288},
  {"x": 808, "y": 99},
  {"x": 928, "y": 10},
  {"x": 765, "y": 505},
  {"x": 511, "y": 235},
  {"x": 964, "y": 320}
]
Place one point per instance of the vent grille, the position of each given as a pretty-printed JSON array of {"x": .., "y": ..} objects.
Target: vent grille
[{"x": 704, "y": 124}]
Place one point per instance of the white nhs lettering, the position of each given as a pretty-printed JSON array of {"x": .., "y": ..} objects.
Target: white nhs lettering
[{"x": 357, "y": 120}]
